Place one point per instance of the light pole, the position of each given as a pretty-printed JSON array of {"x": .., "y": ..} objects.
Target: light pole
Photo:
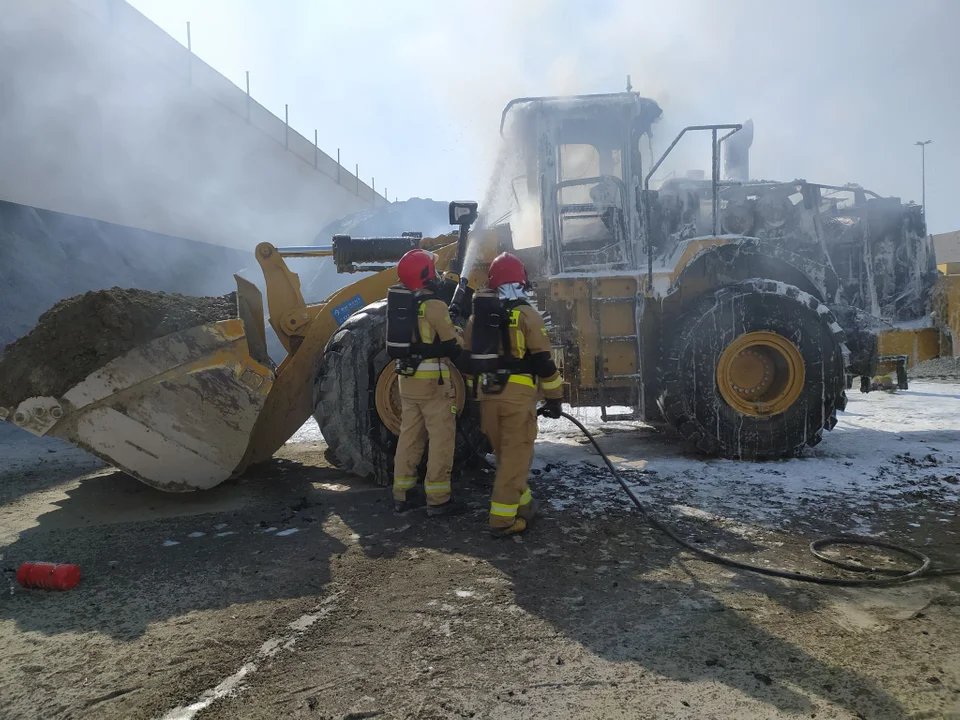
[{"x": 923, "y": 160}]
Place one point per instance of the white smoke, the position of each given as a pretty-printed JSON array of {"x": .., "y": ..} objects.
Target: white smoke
[{"x": 838, "y": 91}]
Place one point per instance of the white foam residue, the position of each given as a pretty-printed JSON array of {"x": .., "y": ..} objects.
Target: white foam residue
[
  {"x": 288, "y": 531},
  {"x": 302, "y": 623},
  {"x": 876, "y": 458},
  {"x": 170, "y": 543},
  {"x": 233, "y": 685},
  {"x": 219, "y": 526},
  {"x": 196, "y": 534},
  {"x": 225, "y": 688},
  {"x": 224, "y": 534},
  {"x": 885, "y": 447},
  {"x": 270, "y": 530},
  {"x": 926, "y": 321}
]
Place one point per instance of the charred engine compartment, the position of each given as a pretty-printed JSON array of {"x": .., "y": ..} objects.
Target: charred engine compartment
[
  {"x": 876, "y": 248},
  {"x": 882, "y": 254}
]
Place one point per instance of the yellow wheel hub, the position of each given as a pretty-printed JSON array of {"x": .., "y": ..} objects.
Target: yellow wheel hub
[
  {"x": 388, "y": 396},
  {"x": 760, "y": 374}
]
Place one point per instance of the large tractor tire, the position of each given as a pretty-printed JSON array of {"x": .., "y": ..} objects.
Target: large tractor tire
[
  {"x": 755, "y": 371},
  {"x": 357, "y": 403}
]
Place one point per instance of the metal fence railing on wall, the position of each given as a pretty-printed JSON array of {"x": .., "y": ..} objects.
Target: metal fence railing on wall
[
  {"x": 207, "y": 79},
  {"x": 317, "y": 157}
]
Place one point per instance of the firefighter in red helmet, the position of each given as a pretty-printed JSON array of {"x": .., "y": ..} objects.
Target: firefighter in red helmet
[
  {"x": 509, "y": 417},
  {"x": 428, "y": 399}
]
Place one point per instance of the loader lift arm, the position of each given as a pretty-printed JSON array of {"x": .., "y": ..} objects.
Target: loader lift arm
[{"x": 305, "y": 329}]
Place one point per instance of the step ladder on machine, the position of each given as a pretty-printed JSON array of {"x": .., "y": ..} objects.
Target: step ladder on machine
[{"x": 619, "y": 355}]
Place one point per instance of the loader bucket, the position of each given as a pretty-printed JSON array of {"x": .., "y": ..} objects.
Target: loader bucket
[{"x": 177, "y": 412}]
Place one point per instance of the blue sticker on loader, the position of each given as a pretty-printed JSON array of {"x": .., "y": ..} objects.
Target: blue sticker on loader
[{"x": 345, "y": 309}]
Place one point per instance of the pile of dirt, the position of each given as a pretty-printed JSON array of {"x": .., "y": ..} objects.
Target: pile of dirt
[
  {"x": 946, "y": 368},
  {"x": 46, "y": 257},
  {"x": 82, "y": 333}
]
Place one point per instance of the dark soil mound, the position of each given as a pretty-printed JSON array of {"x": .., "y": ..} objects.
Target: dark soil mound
[
  {"x": 47, "y": 257},
  {"x": 80, "y": 334}
]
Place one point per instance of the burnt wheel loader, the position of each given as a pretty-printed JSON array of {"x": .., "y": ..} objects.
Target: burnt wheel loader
[{"x": 736, "y": 312}]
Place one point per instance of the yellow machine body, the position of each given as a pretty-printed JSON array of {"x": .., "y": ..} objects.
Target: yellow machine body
[{"x": 617, "y": 266}]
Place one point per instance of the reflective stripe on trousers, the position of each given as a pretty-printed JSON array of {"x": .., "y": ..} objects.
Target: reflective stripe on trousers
[
  {"x": 509, "y": 421},
  {"x": 403, "y": 483},
  {"x": 525, "y": 380},
  {"x": 552, "y": 384},
  {"x": 431, "y": 370},
  {"x": 433, "y": 418},
  {"x": 510, "y": 511}
]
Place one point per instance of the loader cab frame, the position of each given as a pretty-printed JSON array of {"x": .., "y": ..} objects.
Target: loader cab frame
[
  {"x": 582, "y": 174},
  {"x": 582, "y": 169}
]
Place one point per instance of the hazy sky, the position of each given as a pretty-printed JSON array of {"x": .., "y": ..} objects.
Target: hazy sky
[{"x": 412, "y": 91}]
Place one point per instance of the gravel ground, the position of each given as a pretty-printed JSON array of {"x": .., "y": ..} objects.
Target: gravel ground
[
  {"x": 947, "y": 368},
  {"x": 295, "y": 592}
]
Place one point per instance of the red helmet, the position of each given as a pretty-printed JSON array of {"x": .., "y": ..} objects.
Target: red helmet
[
  {"x": 416, "y": 269},
  {"x": 505, "y": 269}
]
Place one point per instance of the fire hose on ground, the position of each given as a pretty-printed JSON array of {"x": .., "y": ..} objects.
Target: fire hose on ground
[{"x": 923, "y": 570}]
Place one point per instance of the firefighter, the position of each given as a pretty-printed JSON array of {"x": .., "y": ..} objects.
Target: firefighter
[
  {"x": 427, "y": 396},
  {"x": 509, "y": 416}
]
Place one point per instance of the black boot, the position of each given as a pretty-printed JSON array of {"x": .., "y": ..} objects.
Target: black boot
[
  {"x": 448, "y": 509},
  {"x": 414, "y": 500}
]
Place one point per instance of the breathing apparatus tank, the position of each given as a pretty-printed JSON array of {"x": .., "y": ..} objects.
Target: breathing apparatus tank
[
  {"x": 404, "y": 344},
  {"x": 488, "y": 321},
  {"x": 401, "y": 321}
]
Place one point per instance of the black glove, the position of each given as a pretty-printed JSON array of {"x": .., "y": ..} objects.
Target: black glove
[
  {"x": 463, "y": 362},
  {"x": 456, "y": 316},
  {"x": 551, "y": 409},
  {"x": 450, "y": 349}
]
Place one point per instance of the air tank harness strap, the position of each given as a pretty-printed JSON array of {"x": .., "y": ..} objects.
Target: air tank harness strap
[
  {"x": 519, "y": 364},
  {"x": 432, "y": 350},
  {"x": 516, "y": 364},
  {"x": 432, "y": 371}
]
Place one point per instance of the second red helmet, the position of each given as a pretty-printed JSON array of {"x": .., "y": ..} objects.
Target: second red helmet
[
  {"x": 506, "y": 269},
  {"x": 416, "y": 269}
]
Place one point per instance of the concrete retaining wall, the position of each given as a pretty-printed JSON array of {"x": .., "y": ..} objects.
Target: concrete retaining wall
[{"x": 106, "y": 116}]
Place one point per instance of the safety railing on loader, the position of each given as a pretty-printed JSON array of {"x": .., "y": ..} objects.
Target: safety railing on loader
[{"x": 715, "y": 178}]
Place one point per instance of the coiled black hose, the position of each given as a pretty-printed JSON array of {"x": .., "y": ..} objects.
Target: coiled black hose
[{"x": 896, "y": 577}]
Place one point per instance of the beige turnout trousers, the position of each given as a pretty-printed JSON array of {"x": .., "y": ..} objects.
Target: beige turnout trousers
[
  {"x": 429, "y": 412},
  {"x": 509, "y": 421}
]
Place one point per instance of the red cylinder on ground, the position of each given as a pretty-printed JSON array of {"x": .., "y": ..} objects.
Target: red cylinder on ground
[{"x": 49, "y": 576}]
